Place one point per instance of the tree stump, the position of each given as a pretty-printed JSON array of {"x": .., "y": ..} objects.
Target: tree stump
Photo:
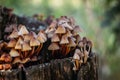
[{"x": 58, "y": 69}]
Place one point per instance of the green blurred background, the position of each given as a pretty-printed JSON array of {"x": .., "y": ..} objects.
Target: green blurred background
[{"x": 99, "y": 19}]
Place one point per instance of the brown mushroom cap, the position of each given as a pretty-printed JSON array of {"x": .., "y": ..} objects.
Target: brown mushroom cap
[
  {"x": 77, "y": 29},
  {"x": 71, "y": 43},
  {"x": 78, "y": 38},
  {"x": 68, "y": 33},
  {"x": 22, "y": 30},
  {"x": 50, "y": 29},
  {"x": 60, "y": 30},
  {"x": 7, "y": 66},
  {"x": 34, "y": 42},
  {"x": 16, "y": 60},
  {"x": 80, "y": 44},
  {"x": 26, "y": 46},
  {"x": 1, "y": 66},
  {"x": 53, "y": 46},
  {"x": 25, "y": 60},
  {"x": 42, "y": 37},
  {"x": 27, "y": 37},
  {"x": 55, "y": 38},
  {"x": 12, "y": 43},
  {"x": 19, "y": 43},
  {"x": 64, "y": 40},
  {"x": 14, "y": 34},
  {"x": 14, "y": 53},
  {"x": 76, "y": 56},
  {"x": 6, "y": 57}
]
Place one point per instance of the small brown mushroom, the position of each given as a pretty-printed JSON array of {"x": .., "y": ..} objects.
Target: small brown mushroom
[
  {"x": 60, "y": 30},
  {"x": 25, "y": 48},
  {"x": 55, "y": 38},
  {"x": 7, "y": 66},
  {"x": 14, "y": 53},
  {"x": 7, "y": 58},
  {"x": 53, "y": 47},
  {"x": 1, "y": 67},
  {"x": 64, "y": 41},
  {"x": 34, "y": 42},
  {"x": 12, "y": 43},
  {"x": 14, "y": 34},
  {"x": 22, "y": 30},
  {"x": 16, "y": 60}
]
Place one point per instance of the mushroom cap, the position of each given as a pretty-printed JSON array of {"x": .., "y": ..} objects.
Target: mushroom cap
[
  {"x": 68, "y": 33},
  {"x": 78, "y": 38},
  {"x": 7, "y": 66},
  {"x": 27, "y": 37},
  {"x": 16, "y": 60},
  {"x": 12, "y": 43},
  {"x": 22, "y": 30},
  {"x": 33, "y": 34},
  {"x": 60, "y": 30},
  {"x": 25, "y": 60},
  {"x": 6, "y": 57},
  {"x": 42, "y": 37},
  {"x": 64, "y": 40},
  {"x": 76, "y": 56},
  {"x": 53, "y": 46},
  {"x": 50, "y": 29},
  {"x": 77, "y": 51},
  {"x": 55, "y": 38},
  {"x": 19, "y": 43},
  {"x": 34, "y": 42},
  {"x": 26, "y": 46},
  {"x": 71, "y": 43},
  {"x": 14, "y": 34},
  {"x": 1, "y": 66},
  {"x": 77, "y": 29},
  {"x": 14, "y": 53},
  {"x": 50, "y": 35},
  {"x": 80, "y": 44},
  {"x": 84, "y": 40}
]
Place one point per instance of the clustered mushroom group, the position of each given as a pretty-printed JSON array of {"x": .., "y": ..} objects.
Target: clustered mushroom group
[{"x": 25, "y": 46}]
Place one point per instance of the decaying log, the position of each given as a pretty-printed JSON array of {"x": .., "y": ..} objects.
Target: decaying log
[{"x": 58, "y": 69}]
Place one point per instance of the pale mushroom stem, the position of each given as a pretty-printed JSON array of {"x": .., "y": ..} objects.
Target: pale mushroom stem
[
  {"x": 39, "y": 49},
  {"x": 77, "y": 64}
]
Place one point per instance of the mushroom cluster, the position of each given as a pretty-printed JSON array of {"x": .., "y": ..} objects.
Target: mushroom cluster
[
  {"x": 64, "y": 39},
  {"x": 23, "y": 45},
  {"x": 64, "y": 35},
  {"x": 82, "y": 53}
]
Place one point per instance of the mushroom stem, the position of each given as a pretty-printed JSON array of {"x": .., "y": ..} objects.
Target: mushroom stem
[
  {"x": 32, "y": 52},
  {"x": 77, "y": 63},
  {"x": 67, "y": 50},
  {"x": 39, "y": 48}
]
